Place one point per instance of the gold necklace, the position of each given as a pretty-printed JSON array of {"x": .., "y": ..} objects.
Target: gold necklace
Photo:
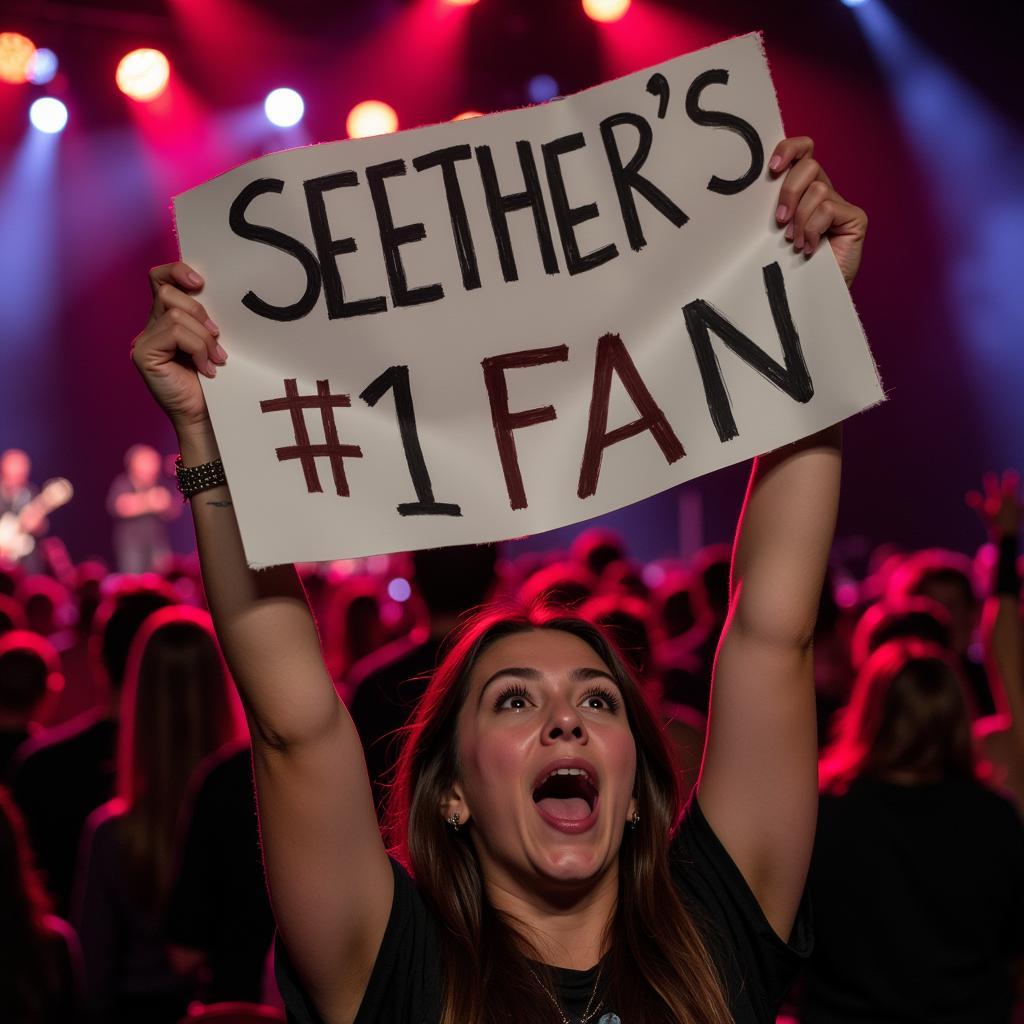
[{"x": 588, "y": 1014}]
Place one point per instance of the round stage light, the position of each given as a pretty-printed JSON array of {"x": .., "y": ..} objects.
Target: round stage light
[
  {"x": 371, "y": 117},
  {"x": 284, "y": 107},
  {"x": 48, "y": 115},
  {"x": 461, "y": 3},
  {"x": 466, "y": 115},
  {"x": 42, "y": 67},
  {"x": 854, "y": 3},
  {"x": 16, "y": 53},
  {"x": 399, "y": 589},
  {"x": 541, "y": 88},
  {"x": 143, "y": 74},
  {"x": 605, "y": 10}
]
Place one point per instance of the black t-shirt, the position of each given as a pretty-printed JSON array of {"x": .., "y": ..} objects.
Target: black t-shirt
[
  {"x": 219, "y": 900},
  {"x": 755, "y": 964},
  {"x": 59, "y": 777},
  {"x": 918, "y": 896}
]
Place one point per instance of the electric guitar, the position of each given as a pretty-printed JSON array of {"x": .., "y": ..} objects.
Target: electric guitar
[{"x": 15, "y": 541}]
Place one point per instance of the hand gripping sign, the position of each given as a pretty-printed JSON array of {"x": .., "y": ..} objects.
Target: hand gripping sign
[{"x": 494, "y": 327}]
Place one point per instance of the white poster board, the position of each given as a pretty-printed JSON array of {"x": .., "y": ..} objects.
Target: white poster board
[{"x": 494, "y": 327}]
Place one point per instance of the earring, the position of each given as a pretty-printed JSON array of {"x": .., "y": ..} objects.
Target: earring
[
  {"x": 453, "y": 821},
  {"x": 634, "y": 820}
]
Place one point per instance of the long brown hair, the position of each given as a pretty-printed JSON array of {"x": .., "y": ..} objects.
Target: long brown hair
[
  {"x": 176, "y": 709},
  {"x": 29, "y": 967},
  {"x": 909, "y": 713},
  {"x": 659, "y": 968}
]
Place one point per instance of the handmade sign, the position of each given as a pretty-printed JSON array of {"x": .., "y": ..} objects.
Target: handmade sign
[{"x": 498, "y": 326}]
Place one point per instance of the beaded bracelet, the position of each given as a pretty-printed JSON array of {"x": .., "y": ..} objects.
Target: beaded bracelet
[{"x": 193, "y": 479}]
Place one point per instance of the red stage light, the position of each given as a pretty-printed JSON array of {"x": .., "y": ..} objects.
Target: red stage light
[
  {"x": 16, "y": 53},
  {"x": 371, "y": 117},
  {"x": 466, "y": 114},
  {"x": 460, "y": 3},
  {"x": 605, "y": 10},
  {"x": 143, "y": 74}
]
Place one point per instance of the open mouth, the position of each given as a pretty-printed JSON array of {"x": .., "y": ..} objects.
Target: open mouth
[{"x": 566, "y": 794}]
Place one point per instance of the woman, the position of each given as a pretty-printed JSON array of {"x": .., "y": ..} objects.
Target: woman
[
  {"x": 918, "y": 870},
  {"x": 40, "y": 962},
  {"x": 177, "y": 708},
  {"x": 550, "y": 892}
]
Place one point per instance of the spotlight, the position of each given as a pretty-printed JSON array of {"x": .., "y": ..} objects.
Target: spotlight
[
  {"x": 854, "y": 3},
  {"x": 466, "y": 115},
  {"x": 284, "y": 108},
  {"x": 541, "y": 88},
  {"x": 42, "y": 67},
  {"x": 16, "y": 53},
  {"x": 605, "y": 10},
  {"x": 371, "y": 117},
  {"x": 399, "y": 589},
  {"x": 460, "y": 3},
  {"x": 143, "y": 74},
  {"x": 48, "y": 115}
]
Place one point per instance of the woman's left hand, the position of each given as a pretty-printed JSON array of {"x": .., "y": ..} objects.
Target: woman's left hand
[{"x": 811, "y": 209}]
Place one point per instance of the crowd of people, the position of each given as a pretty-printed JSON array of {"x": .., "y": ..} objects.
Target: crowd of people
[{"x": 129, "y": 842}]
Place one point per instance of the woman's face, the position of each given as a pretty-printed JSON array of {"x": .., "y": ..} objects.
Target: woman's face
[{"x": 547, "y": 761}]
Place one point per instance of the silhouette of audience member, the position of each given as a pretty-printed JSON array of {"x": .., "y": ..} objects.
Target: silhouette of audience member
[
  {"x": 564, "y": 584},
  {"x": 945, "y": 576},
  {"x": 30, "y": 679},
  {"x": 352, "y": 626},
  {"x": 64, "y": 773},
  {"x": 917, "y": 877},
  {"x": 11, "y": 615},
  {"x": 687, "y": 660},
  {"x": 177, "y": 709},
  {"x": 387, "y": 685},
  {"x": 40, "y": 961},
  {"x": 219, "y": 921},
  {"x": 596, "y": 548}
]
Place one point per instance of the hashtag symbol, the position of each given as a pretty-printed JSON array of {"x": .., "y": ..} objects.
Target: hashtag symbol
[{"x": 303, "y": 450}]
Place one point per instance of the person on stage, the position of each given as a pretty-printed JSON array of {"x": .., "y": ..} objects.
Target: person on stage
[
  {"x": 20, "y": 515},
  {"x": 540, "y": 865},
  {"x": 141, "y": 506}
]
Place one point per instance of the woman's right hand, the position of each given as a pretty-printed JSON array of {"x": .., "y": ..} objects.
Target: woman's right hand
[{"x": 179, "y": 339}]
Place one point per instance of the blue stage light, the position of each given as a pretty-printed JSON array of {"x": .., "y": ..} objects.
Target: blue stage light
[
  {"x": 541, "y": 88},
  {"x": 42, "y": 67},
  {"x": 284, "y": 108},
  {"x": 48, "y": 115}
]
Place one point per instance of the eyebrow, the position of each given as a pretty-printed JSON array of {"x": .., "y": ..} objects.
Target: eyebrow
[{"x": 582, "y": 674}]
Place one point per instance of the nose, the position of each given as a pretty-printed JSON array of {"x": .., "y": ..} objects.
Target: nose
[{"x": 565, "y": 723}]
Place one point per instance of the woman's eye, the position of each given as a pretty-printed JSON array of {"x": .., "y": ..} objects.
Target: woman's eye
[
  {"x": 601, "y": 700},
  {"x": 513, "y": 699}
]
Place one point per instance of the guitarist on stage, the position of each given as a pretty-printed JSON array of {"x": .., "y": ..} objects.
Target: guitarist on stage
[{"x": 16, "y": 494}]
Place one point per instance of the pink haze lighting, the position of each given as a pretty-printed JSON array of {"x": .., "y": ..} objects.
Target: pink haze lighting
[
  {"x": 371, "y": 117},
  {"x": 605, "y": 10},
  {"x": 143, "y": 74}
]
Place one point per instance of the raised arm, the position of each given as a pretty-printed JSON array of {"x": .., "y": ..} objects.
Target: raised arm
[
  {"x": 327, "y": 870},
  {"x": 758, "y": 784},
  {"x": 999, "y": 507}
]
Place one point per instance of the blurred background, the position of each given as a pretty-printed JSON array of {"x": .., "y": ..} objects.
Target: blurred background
[{"x": 915, "y": 108}]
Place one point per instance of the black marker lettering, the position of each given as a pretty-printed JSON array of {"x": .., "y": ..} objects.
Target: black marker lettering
[
  {"x": 718, "y": 119},
  {"x": 279, "y": 240},
  {"x": 566, "y": 216},
  {"x": 500, "y": 206},
  {"x": 627, "y": 178},
  {"x": 329, "y": 248},
  {"x": 793, "y": 378}
]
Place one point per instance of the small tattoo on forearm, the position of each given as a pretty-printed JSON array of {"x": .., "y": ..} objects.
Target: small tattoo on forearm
[{"x": 221, "y": 504}]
